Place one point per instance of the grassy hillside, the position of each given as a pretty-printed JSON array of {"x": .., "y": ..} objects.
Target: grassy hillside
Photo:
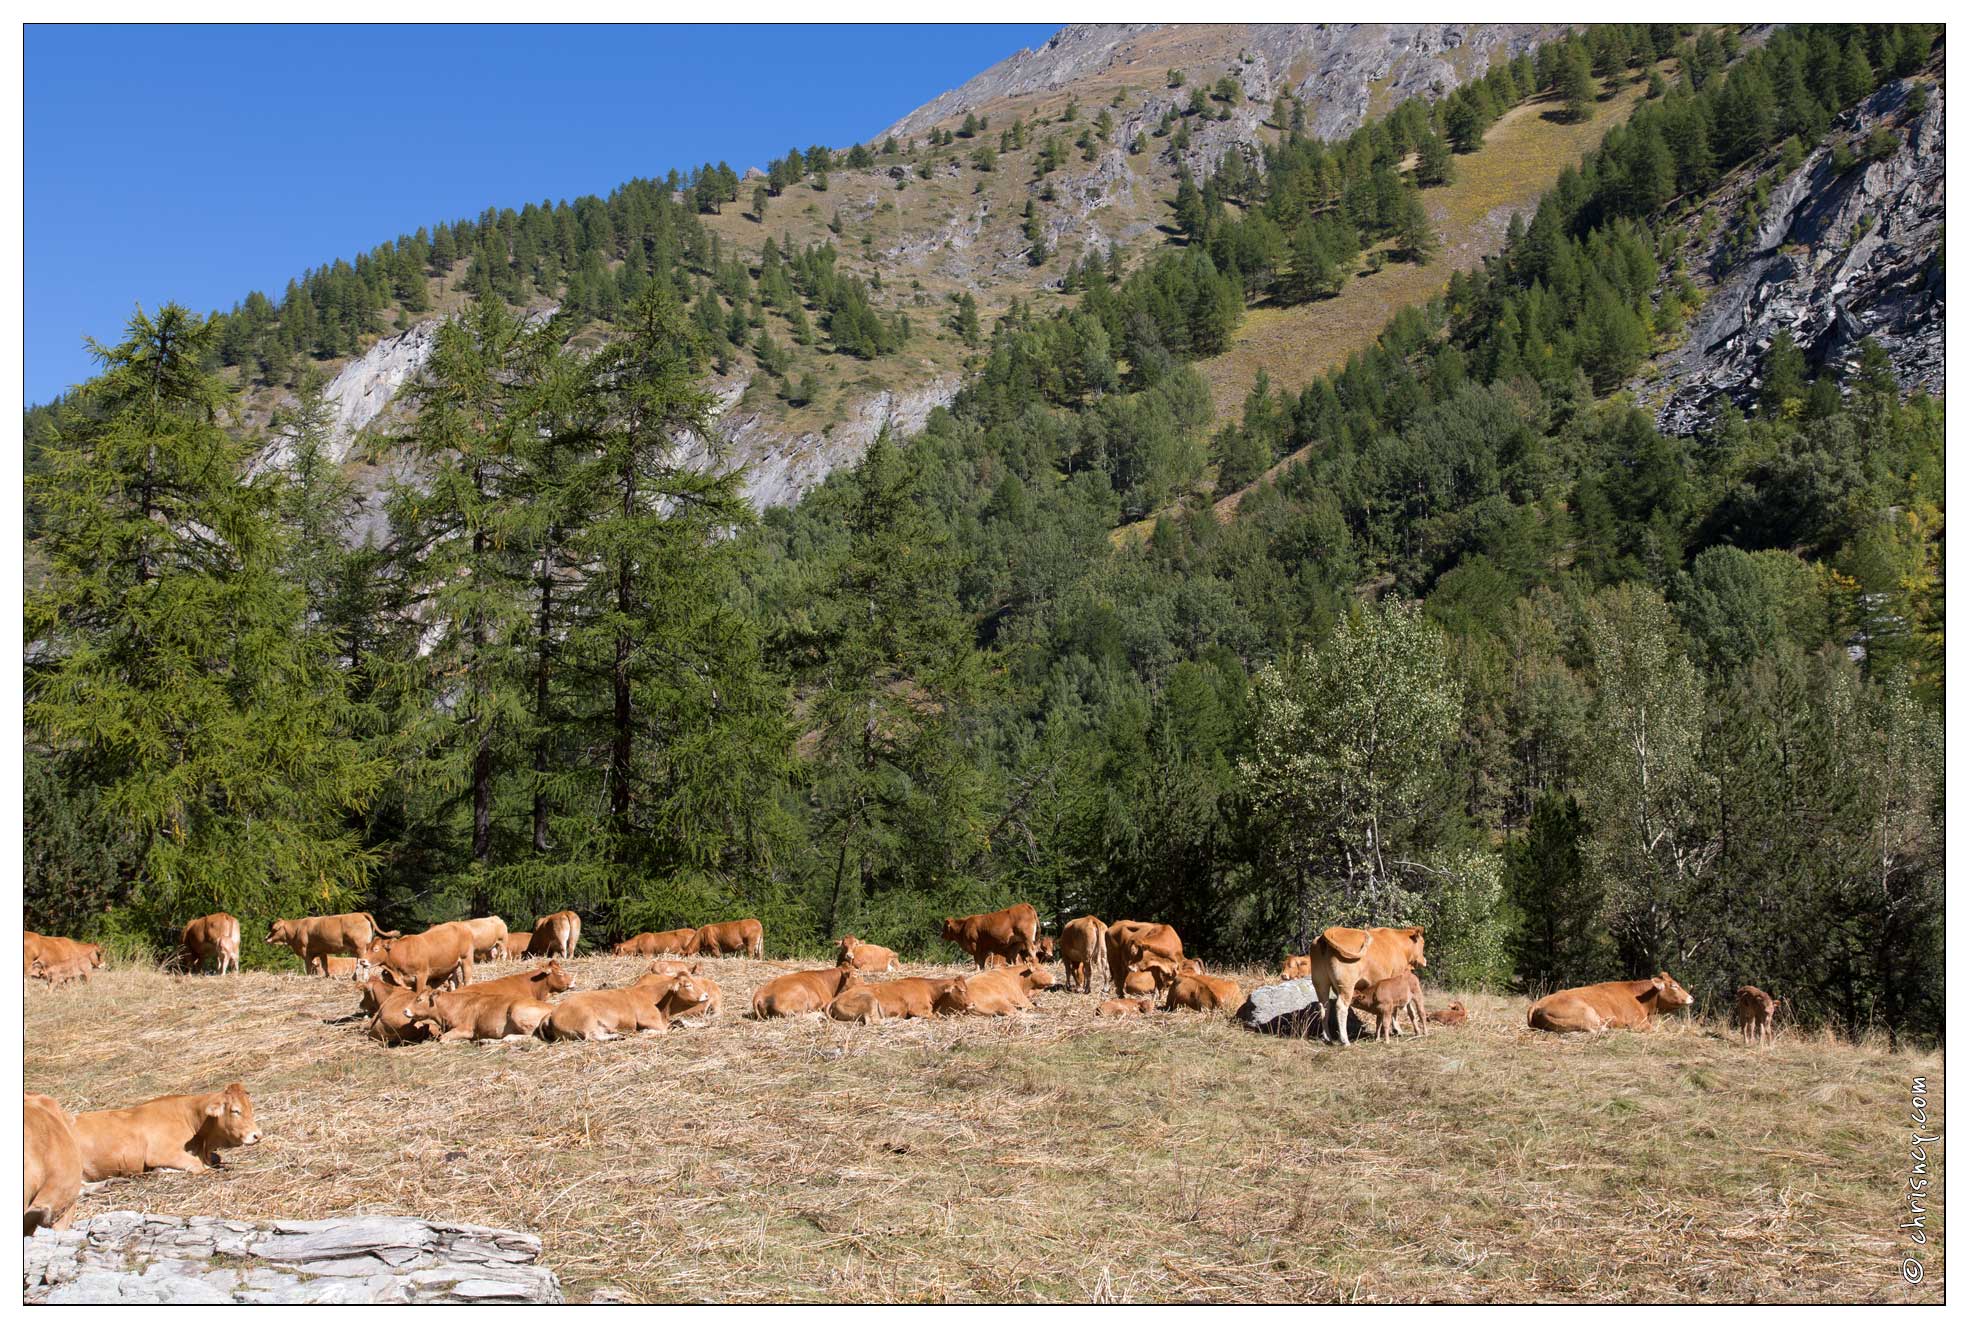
[{"x": 1050, "y": 1157}]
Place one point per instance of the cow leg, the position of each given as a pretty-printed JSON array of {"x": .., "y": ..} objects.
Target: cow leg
[
  {"x": 455, "y": 1036},
  {"x": 1339, "y": 1020}
]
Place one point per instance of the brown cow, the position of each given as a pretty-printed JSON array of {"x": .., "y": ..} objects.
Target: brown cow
[
  {"x": 315, "y": 939},
  {"x": 60, "y": 954},
  {"x": 344, "y": 966},
  {"x": 691, "y": 994},
  {"x": 519, "y": 943},
  {"x": 213, "y": 938},
  {"x": 1140, "y": 983},
  {"x": 72, "y": 970},
  {"x": 742, "y": 936},
  {"x": 1132, "y": 944},
  {"x": 1200, "y": 992},
  {"x": 1083, "y": 945},
  {"x": 1296, "y": 966},
  {"x": 1003, "y": 991},
  {"x": 51, "y": 1163},
  {"x": 1755, "y": 1009},
  {"x": 1125, "y": 1008},
  {"x": 537, "y": 983},
  {"x": 801, "y": 993},
  {"x": 440, "y": 954},
  {"x": 675, "y": 967},
  {"x": 1602, "y": 1006},
  {"x": 679, "y": 941},
  {"x": 478, "y": 1011},
  {"x": 1452, "y": 1014},
  {"x": 1012, "y": 932},
  {"x": 864, "y": 956},
  {"x": 900, "y": 999},
  {"x": 1389, "y": 1000},
  {"x": 488, "y": 937},
  {"x": 390, "y": 1003},
  {"x": 614, "y": 1012},
  {"x": 1342, "y": 957},
  {"x": 179, "y": 1131},
  {"x": 556, "y": 934}
]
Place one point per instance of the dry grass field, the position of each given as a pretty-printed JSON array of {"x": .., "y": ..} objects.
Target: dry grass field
[{"x": 1051, "y": 1157}]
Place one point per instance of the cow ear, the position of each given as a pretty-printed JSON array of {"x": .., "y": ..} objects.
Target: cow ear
[
  {"x": 216, "y": 1107},
  {"x": 1658, "y": 984}
]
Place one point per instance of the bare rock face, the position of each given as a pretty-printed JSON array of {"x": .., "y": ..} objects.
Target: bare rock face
[
  {"x": 151, "y": 1259},
  {"x": 1838, "y": 257}
]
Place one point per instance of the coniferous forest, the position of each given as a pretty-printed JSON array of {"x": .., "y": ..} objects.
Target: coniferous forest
[{"x": 1493, "y": 655}]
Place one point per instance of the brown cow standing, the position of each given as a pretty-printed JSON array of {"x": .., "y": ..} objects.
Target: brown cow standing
[
  {"x": 741, "y": 936},
  {"x": 180, "y": 1131},
  {"x": 1342, "y": 957},
  {"x": 519, "y": 943},
  {"x": 800, "y": 993},
  {"x": 1083, "y": 945},
  {"x": 1012, "y": 932},
  {"x": 556, "y": 934},
  {"x": 51, "y": 1163},
  {"x": 1133, "y": 945},
  {"x": 1755, "y": 1009},
  {"x": 1602, "y": 1006},
  {"x": 427, "y": 958},
  {"x": 901, "y": 999},
  {"x": 315, "y": 939},
  {"x": 488, "y": 937},
  {"x": 214, "y": 937},
  {"x": 678, "y": 941}
]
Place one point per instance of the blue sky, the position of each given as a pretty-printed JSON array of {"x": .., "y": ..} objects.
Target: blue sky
[{"x": 198, "y": 163}]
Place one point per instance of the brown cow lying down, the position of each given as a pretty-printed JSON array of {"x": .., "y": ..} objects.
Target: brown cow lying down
[
  {"x": 864, "y": 956},
  {"x": 477, "y": 1011},
  {"x": 1012, "y": 933},
  {"x": 694, "y": 995},
  {"x": 378, "y": 988},
  {"x": 1452, "y": 1014},
  {"x": 181, "y": 1131},
  {"x": 802, "y": 993},
  {"x": 1602, "y": 1006},
  {"x": 900, "y": 999},
  {"x": 556, "y": 934},
  {"x": 1754, "y": 1011},
  {"x": 1132, "y": 945},
  {"x": 1389, "y": 1000},
  {"x": 536, "y": 983},
  {"x": 426, "y": 959},
  {"x": 213, "y": 939},
  {"x": 315, "y": 939},
  {"x": 679, "y": 941},
  {"x": 614, "y": 1012},
  {"x": 675, "y": 967},
  {"x": 743, "y": 936},
  {"x": 1125, "y": 1008},
  {"x": 1003, "y": 991},
  {"x": 488, "y": 937},
  {"x": 1342, "y": 957},
  {"x": 1200, "y": 992},
  {"x": 1297, "y": 966},
  {"x": 51, "y": 1162},
  {"x": 1082, "y": 944}
]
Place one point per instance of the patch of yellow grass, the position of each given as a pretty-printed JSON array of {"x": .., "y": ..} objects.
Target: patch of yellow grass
[{"x": 1040, "y": 1158}]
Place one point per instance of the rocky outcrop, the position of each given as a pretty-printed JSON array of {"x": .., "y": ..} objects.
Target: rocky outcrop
[
  {"x": 151, "y": 1259},
  {"x": 1839, "y": 256}
]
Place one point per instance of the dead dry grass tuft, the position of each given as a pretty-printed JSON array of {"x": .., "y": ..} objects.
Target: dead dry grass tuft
[{"x": 1052, "y": 1157}]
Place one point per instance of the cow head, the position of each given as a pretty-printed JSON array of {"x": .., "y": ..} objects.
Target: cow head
[
  {"x": 280, "y": 932},
  {"x": 228, "y": 1122},
  {"x": 557, "y": 978},
  {"x": 950, "y": 929},
  {"x": 1047, "y": 949},
  {"x": 952, "y": 997},
  {"x": 1297, "y": 966},
  {"x": 1670, "y": 995},
  {"x": 1415, "y": 957},
  {"x": 1037, "y": 979}
]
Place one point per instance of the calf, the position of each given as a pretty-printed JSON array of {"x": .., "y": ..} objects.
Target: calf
[
  {"x": 427, "y": 959},
  {"x": 1452, "y": 1014},
  {"x": 1083, "y": 945},
  {"x": 1297, "y": 966},
  {"x": 179, "y": 1131},
  {"x": 315, "y": 939},
  {"x": 1200, "y": 992},
  {"x": 1125, "y": 1008},
  {"x": 1755, "y": 1009},
  {"x": 1602, "y": 1006},
  {"x": 901, "y": 999},
  {"x": 1012, "y": 933},
  {"x": 1390, "y": 999},
  {"x": 59, "y": 972},
  {"x": 344, "y": 966},
  {"x": 679, "y": 941},
  {"x": 1132, "y": 945},
  {"x": 744, "y": 936},
  {"x": 51, "y": 1163},
  {"x": 799, "y": 993},
  {"x": 864, "y": 956},
  {"x": 213, "y": 939},
  {"x": 556, "y": 934}
]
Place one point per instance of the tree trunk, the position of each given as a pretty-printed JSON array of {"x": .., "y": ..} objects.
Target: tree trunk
[
  {"x": 619, "y": 746},
  {"x": 543, "y": 667}
]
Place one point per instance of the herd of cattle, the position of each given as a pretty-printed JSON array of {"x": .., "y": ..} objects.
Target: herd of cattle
[{"x": 420, "y": 988}]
